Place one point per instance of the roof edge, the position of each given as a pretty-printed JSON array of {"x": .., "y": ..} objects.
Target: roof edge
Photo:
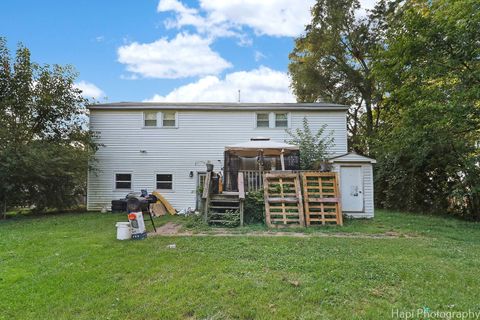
[
  {"x": 215, "y": 106},
  {"x": 363, "y": 159}
]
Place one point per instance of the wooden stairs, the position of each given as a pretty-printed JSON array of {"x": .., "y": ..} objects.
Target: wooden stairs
[{"x": 218, "y": 206}]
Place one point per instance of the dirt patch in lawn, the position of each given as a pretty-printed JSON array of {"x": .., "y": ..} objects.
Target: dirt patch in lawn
[{"x": 174, "y": 229}]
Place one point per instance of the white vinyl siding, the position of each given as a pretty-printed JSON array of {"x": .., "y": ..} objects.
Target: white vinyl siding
[{"x": 200, "y": 136}]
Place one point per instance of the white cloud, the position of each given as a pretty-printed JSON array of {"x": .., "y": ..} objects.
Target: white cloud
[
  {"x": 89, "y": 90},
  {"x": 226, "y": 18},
  {"x": 258, "y": 85},
  {"x": 184, "y": 56}
]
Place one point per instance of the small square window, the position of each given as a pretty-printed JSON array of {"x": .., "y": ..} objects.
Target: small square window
[
  {"x": 123, "y": 181},
  {"x": 169, "y": 119},
  {"x": 262, "y": 120},
  {"x": 165, "y": 181},
  {"x": 150, "y": 119},
  {"x": 281, "y": 120}
]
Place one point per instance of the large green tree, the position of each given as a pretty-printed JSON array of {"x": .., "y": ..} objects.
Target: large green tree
[
  {"x": 333, "y": 61},
  {"x": 44, "y": 144},
  {"x": 427, "y": 148}
]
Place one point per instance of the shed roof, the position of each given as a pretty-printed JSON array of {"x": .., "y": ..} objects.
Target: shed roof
[
  {"x": 224, "y": 106},
  {"x": 352, "y": 157}
]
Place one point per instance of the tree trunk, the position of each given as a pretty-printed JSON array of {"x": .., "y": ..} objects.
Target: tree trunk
[{"x": 369, "y": 124}]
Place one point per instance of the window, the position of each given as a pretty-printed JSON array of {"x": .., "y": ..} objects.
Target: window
[
  {"x": 123, "y": 181},
  {"x": 169, "y": 119},
  {"x": 281, "y": 120},
  {"x": 262, "y": 120},
  {"x": 150, "y": 119},
  {"x": 165, "y": 181}
]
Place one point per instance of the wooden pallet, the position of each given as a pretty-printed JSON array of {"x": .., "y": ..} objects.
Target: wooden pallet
[
  {"x": 322, "y": 198},
  {"x": 283, "y": 199}
]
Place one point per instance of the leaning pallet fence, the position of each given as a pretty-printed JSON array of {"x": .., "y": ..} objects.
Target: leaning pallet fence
[
  {"x": 283, "y": 199},
  {"x": 321, "y": 198}
]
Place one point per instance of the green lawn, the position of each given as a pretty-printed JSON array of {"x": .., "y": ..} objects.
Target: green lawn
[{"x": 72, "y": 267}]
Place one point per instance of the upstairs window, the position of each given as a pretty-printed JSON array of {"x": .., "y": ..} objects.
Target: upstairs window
[
  {"x": 281, "y": 120},
  {"x": 262, "y": 120},
  {"x": 165, "y": 181},
  {"x": 150, "y": 119},
  {"x": 123, "y": 181},
  {"x": 169, "y": 119}
]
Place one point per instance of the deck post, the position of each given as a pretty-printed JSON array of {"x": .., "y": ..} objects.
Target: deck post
[
  {"x": 241, "y": 196},
  {"x": 282, "y": 159},
  {"x": 206, "y": 194}
]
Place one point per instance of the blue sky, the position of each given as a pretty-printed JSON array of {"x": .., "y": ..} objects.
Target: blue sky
[{"x": 164, "y": 50}]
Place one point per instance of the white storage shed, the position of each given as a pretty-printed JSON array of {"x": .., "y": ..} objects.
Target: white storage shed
[{"x": 356, "y": 184}]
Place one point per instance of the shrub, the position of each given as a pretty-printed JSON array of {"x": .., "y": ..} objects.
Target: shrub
[{"x": 254, "y": 207}]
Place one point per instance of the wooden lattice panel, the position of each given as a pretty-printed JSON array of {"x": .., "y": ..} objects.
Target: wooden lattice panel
[
  {"x": 283, "y": 199},
  {"x": 322, "y": 198}
]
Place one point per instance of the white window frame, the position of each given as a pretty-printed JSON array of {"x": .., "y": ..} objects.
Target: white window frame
[
  {"x": 144, "y": 119},
  {"x": 256, "y": 120},
  {"x": 272, "y": 120},
  {"x": 176, "y": 120},
  {"x": 160, "y": 120},
  {"x": 155, "y": 181},
  {"x": 115, "y": 181},
  {"x": 275, "y": 120}
]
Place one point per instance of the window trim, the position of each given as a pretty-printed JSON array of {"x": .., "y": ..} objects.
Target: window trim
[
  {"x": 275, "y": 120},
  {"x": 155, "y": 181},
  {"x": 159, "y": 120},
  {"x": 256, "y": 120},
  {"x": 115, "y": 181},
  {"x": 144, "y": 119},
  {"x": 272, "y": 120},
  {"x": 175, "y": 113}
]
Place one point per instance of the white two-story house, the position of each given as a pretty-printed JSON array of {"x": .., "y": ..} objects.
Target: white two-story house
[{"x": 165, "y": 146}]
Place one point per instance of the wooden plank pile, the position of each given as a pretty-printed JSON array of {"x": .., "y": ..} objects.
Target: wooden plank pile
[{"x": 285, "y": 204}]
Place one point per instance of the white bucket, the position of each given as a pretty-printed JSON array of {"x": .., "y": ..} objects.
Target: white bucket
[{"x": 124, "y": 231}]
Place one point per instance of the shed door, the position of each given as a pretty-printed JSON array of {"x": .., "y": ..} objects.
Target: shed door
[{"x": 351, "y": 186}]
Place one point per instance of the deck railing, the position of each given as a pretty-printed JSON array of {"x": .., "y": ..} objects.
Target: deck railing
[{"x": 253, "y": 179}]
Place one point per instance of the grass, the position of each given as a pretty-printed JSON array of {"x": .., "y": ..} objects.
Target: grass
[{"x": 71, "y": 266}]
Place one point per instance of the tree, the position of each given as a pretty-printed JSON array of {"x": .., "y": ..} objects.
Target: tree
[
  {"x": 314, "y": 148},
  {"x": 428, "y": 146},
  {"x": 333, "y": 61},
  {"x": 44, "y": 144}
]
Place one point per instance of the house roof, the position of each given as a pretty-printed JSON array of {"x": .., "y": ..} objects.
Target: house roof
[
  {"x": 233, "y": 106},
  {"x": 352, "y": 157}
]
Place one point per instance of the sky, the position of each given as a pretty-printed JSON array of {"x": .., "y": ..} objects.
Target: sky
[{"x": 165, "y": 50}]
